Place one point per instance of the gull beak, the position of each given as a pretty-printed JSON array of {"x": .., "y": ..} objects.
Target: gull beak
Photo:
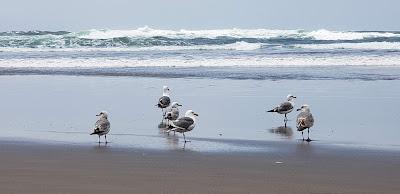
[
  {"x": 299, "y": 109},
  {"x": 97, "y": 115},
  {"x": 294, "y": 97},
  {"x": 196, "y": 114},
  {"x": 179, "y": 104}
]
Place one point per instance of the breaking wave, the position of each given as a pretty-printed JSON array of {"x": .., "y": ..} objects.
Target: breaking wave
[{"x": 148, "y": 37}]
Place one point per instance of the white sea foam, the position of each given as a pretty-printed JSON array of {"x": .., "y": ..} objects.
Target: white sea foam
[
  {"x": 266, "y": 61},
  {"x": 354, "y": 46},
  {"x": 337, "y": 35},
  {"x": 147, "y": 32},
  {"x": 238, "y": 46}
]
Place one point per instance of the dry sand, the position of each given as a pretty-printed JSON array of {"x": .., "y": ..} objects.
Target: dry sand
[{"x": 27, "y": 167}]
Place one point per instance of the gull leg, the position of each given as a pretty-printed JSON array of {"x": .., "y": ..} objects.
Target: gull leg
[
  {"x": 105, "y": 137},
  {"x": 302, "y": 134},
  {"x": 99, "y": 139},
  {"x": 162, "y": 119},
  {"x": 285, "y": 120},
  {"x": 308, "y": 131},
  {"x": 184, "y": 145},
  {"x": 184, "y": 138}
]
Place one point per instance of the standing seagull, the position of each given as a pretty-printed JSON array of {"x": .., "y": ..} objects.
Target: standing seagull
[
  {"x": 102, "y": 126},
  {"x": 305, "y": 120},
  {"x": 184, "y": 124},
  {"x": 285, "y": 107},
  {"x": 173, "y": 113},
  {"x": 164, "y": 101}
]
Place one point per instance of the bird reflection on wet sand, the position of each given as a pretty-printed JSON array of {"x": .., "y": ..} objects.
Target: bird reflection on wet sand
[
  {"x": 171, "y": 141},
  {"x": 162, "y": 125},
  {"x": 284, "y": 131}
]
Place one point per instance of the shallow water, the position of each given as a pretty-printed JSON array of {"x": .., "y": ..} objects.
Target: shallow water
[{"x": 63, "y": 109}]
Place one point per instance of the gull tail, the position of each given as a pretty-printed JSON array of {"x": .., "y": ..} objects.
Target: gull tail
[
  {"x": 171, "y": 126},
  {"x": 96, "y": 131}
]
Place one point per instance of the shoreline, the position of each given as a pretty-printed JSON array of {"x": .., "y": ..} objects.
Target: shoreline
[
  {"x": 272, "y": 73},
  {"x": 228, "y": 146}
]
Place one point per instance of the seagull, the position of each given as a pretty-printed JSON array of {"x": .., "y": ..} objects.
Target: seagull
[
  {"x": 305, "y": 120},
  {"x": 285, "y": 107},
  {"x": 172, "y": 113},
  {"x": 164, "y": 101},
  {"x": 184, "y": 124},
  {"x": 102, "y": 126}
]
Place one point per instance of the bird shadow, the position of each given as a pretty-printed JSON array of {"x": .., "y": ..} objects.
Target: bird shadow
[{"x": 307, "y": 140}]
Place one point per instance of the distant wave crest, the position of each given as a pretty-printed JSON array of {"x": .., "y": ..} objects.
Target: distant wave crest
[{"x": 235, "y": 39}]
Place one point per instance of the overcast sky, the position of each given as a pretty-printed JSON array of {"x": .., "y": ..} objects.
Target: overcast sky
[{"x": 74, "y": 15}]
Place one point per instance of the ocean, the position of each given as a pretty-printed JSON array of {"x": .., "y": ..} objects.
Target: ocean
[{"x": 226, "y": 53}]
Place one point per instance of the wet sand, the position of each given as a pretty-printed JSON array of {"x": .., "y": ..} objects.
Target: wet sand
[
  {"x": 28, "y": 167},
  {"x": 236, "y": 147},
  {"x": 63, "y": 109}
]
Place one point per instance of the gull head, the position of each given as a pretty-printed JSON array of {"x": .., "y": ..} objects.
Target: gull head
[
  {"x": 191, "y": 114},
  {"x": 304, "y": 108},
  {"x": 290, "y": 97},
  {"x": 165, "y": 90},
  {"x": 103, "y": 114},
  {"x": 175, "y": 105}
]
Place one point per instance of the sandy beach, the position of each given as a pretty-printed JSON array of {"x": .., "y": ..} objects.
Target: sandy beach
[{"x": 28, "y": 167}]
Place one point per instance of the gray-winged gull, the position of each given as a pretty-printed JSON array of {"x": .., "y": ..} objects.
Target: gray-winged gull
[
  {"x": 164, "y": 101},
  {"x": 285, "y": 107},
  {"x": 184, "y": 124},
  {"x": 305, "y": 120},
  {"x": 102, "y": 126}
]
